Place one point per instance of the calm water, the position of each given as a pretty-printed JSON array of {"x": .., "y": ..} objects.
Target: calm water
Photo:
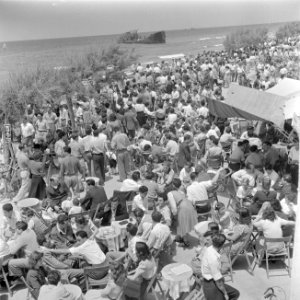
[{"x": 23, "y": 55}]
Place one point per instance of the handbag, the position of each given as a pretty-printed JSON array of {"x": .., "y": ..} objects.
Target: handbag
[{"x": 132, "y": 288}]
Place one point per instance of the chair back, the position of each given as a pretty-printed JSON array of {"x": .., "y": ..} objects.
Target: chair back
[
  {"x": 4, "y": 260},
  {"x": 243, "y": 246},
  {"x": 215, "y": 162},
  {"x": 285, "y": 240}
]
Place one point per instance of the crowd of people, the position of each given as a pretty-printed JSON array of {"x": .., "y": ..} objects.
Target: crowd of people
[{"x": 173, "y": 159}]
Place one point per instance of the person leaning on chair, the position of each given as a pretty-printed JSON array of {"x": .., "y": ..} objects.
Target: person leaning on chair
[{"x": 214, "y": 287}]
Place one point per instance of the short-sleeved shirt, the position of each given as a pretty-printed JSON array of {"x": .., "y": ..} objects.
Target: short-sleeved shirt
[
  {"x": 211, "y": 264},
  {"x": 91, "y": 251}
]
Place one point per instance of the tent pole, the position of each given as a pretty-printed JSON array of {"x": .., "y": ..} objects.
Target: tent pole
[{"x": 295, "y": 280}]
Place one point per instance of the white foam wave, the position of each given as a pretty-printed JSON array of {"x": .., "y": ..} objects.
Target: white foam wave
[
  {"x": 220, "y": 37},
  {"x": 218, "y": 45},
  {"x": 205, "y": 39}
]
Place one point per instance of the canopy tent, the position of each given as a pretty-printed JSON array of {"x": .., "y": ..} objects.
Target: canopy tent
[
  {"x": 287, "y": 87},
  {"x": 291, "y": 107},
  {"x": 224, "y": 110},
  {"x": 260, "y": 105}
]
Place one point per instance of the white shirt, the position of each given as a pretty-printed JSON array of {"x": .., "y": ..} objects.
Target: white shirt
[
  {"x": 211, "y": 264},
  {"x": 138, "y": 202},
  {"x": 159, "y": 234},
  {"x": 91, "y": 251},
  {"x": 242, "y": 174},
  {"x": 288, "y": 208},
  {"x": 197, "y": 191},
  {"x": 172, "y": 147},
  {"x": 27, "y": 130},
  {"x": 129, "y": 185},
  {"x": 203, "y": 111}
]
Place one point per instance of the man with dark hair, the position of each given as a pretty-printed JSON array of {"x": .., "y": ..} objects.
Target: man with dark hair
[
  {"x": 55, "y": 290},
  {"x": 271, "y": 155},
  {"x": 160, "y": 233},
  {"x": 131, "y": 184},
  {"x": 213, "y": 282},
  {"x": 120, "y": 142},
  {"x": 87, "y": 247},
  {"x": 95, "y": 195},
  {"x": 62, "y": 234},
  {"x": 9, "y": 220},
  {"x": 27, "y": 242}
]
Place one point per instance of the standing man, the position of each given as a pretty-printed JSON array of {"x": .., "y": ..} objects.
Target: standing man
[
  {"x": 86, "y": 141},
  {"x": 77, "y": 149},
  {"x": 27, "y": 131},
  {"x": 131, "y": 121},
  {"x": 120, "y": 142},
  {"x": 69, "y": 170},
  {"x": 214, "y": 287},
  {"x": 98, "y": 148},
  {"x": 51, "y": 119}
]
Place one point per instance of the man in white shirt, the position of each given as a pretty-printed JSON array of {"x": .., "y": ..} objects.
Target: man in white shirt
[
  {"x": 213, "y": 281},
  {"x": 87, "y": 247},
  {"x": 86, "y": 141},
  {"x": 172, "y": 147},
  {"x": 160, "y": 233},
  {"x": 203, "y": 110},
  {"x": 197, "y": 191},
  {"x": 27, "y": 131}
]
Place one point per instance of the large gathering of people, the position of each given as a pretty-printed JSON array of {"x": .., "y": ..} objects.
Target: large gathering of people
[{"x": 173, "y": 159}]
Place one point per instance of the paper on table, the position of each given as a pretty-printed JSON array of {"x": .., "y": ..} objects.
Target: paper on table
[{"x": 180, "y": 269}]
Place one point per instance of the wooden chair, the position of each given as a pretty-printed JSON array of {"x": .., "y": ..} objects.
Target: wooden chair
[
  {"x": 242, "y": 251},
  {"x": 151, "y": 288},
  {"x": 96, "y": 276},
  {"x": 195, "y": 295},
  {"x": 202, "y": 215},
  {"x": 226, "y": 249},
  {"x": 281, "y": 256}
]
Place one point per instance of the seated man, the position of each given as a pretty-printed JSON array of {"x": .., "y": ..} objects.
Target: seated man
[
  {"x": 89, "y": 249},
  {"x": 62, "y": 234},
  {"x": 56, "y": 192},
  {"x": 8, "y": 223},
  {"x": 131, "y": 184},
  {"x": 27, "y": 242},
  {"x": 55, "y": 290},
  {"x": 40, "y": 266}
]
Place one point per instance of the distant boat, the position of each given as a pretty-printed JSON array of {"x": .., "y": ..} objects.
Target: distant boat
[{"x": 132, "y": 37}]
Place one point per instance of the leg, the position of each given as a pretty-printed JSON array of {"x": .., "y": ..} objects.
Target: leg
[
  {"x": 102, "y": 168},
  {"x": 121, "y": 166},
  {"x": 233, "y": 293},
  {"x": 211, "y": 291},
  {"x": 15, "y": 266},
  {"x": 33, "y": 280},
  {"x": 126, "y": 163}
]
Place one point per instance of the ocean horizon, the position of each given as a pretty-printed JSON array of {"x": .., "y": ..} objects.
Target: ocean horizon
[{"x": 29, "y": 54}]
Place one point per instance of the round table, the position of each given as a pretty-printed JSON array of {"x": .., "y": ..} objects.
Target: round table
[
  {"x": 177, "y": 278},
  {"x": 29, "y": 203},
  {"x": 110, "y": 237}
]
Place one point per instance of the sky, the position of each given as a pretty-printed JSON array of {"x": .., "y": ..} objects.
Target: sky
[{"x": 25, "y": 19}]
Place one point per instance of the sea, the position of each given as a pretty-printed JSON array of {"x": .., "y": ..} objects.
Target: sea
[{"x": 19, "y": 56}]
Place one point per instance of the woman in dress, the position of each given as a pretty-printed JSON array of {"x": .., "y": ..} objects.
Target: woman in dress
[
  {"x": 146, "y": 268},
  {"x": 184, "y": 212}
]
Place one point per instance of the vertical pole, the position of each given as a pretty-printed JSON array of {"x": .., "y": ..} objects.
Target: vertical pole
[{"x": 295, "y": 286}]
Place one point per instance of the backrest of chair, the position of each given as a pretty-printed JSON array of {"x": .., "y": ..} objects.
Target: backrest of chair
[
  {"x": 4, "y": 259},
  {"x": 96, "y": 272},
  {"x": 286, "y": 240},
  {"x": 243, "y": 246}
]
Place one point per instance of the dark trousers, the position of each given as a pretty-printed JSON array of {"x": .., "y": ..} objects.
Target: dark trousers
[
  {"x": 131, "y": 133},
  {"x": 98, "y": 161},
  {"x": 38, "y": 188},
  {"x": 212, "y": 292}
]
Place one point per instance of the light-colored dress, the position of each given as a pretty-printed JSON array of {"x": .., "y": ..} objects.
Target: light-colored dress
[{"x": 110, "y": 292}]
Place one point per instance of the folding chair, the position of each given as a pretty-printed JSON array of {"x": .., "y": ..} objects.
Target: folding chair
[
  {"x": 202, "y": 215},
  {"x": 151, "y": 288},
  {"x": 215, "y": 162},
  {"x": 195, "y": 295},
  {"x": 242, "y": 251},
  {"x": 226, "y": 249},
  {"x": 282, "y": 255},
  {"x": 96, "y": 276}
]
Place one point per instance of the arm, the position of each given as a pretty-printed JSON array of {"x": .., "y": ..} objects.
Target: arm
[
  {"x": 58, "y": 251},
  {"x": 215, "y": 179}
]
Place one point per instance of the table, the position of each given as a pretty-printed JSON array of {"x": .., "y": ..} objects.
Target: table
[
  {"x": 110, "y": 237},
  {"x": 121, "y": 225},
  {"x": 177, "y": 282},
  {"x": 29, "y": 203}
]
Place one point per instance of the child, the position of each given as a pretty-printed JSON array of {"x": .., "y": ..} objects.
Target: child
[
  {"x": 112, "y": 162},
  {"x": 140, "y": 200},
  {"x": 244, "y": 191},
  {"x": 163, "y": 208}
]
